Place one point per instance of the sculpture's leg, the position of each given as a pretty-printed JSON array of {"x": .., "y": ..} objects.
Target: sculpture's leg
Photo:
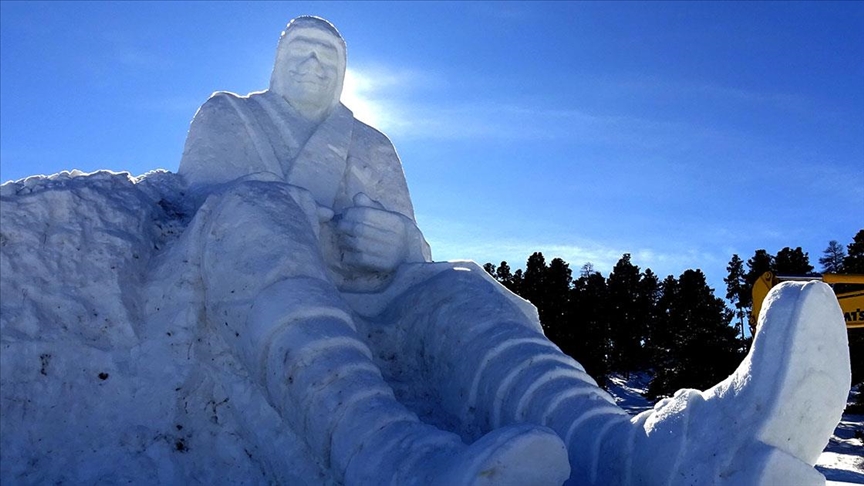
[
  {"x": 268, "y": 295},
  {"x": 492, "y": 366},
  {"x": 320, "y": 376},
  {"x": 500, "y": 370}
]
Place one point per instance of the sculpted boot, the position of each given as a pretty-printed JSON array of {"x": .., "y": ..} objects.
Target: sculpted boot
[
  {"x": 765, "y": 424},
  {"x": 770, "y": 420}
]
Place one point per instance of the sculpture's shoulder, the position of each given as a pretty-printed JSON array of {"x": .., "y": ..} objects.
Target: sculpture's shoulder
[
  {"x": 367, "y": 138},
  {"x": 228, "y": 95},
  {"x": 224, "y": 110},
  {"x": 219, "y": 146},
  {"x": 223, "y": 105}
]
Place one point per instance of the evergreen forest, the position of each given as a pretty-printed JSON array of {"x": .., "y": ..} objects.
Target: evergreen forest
[{"x": 676, "y": 328}]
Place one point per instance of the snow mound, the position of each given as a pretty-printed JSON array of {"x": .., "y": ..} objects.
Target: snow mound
[{"x": 106, "y": 375}]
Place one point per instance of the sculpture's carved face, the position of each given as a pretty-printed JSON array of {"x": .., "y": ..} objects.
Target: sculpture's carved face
[{"x": 309, "y": 70}]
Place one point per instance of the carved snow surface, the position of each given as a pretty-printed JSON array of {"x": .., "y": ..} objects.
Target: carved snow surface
[
  {"x": 111, "y": 373},
  {"x": 271, "y": 315},
  {"x": 107, "y": 372}
]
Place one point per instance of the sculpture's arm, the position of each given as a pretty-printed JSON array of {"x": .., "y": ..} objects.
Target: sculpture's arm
[
  {"x": 375, "y": 178},
  {"x": 395, "y": 197},
  {"x": 418, "y": 248},
  {"x": 374, "y": 230}
]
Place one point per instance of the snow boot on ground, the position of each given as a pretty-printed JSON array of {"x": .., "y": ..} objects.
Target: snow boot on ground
[{"x": 770, "y": 420}]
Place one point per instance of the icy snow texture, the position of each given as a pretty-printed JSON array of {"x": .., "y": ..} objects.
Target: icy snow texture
[
  {"x": 109, "y": 372},
  {"x": 237, "y": 324},
  {"x": 106, "y": 376}
]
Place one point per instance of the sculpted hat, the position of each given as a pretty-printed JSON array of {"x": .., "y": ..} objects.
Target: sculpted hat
[
  {"x": 315, "y": 27},
  {"x": 312, "y": 22},
  {"x": 308, "y": 23}
]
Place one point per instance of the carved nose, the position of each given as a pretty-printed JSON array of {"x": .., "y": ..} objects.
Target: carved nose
[{"x": 312, "y": 64}]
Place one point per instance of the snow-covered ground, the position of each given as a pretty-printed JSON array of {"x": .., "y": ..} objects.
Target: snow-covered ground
[
  {"x": 842, "y": 462},
  {"x": 629, "y": 391},
  {"x": 843, "y": 459}
]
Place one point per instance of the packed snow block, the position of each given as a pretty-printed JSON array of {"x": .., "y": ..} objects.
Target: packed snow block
[
  {"x": 106, "y": 371},
  {"x": 74, "y": 253}
]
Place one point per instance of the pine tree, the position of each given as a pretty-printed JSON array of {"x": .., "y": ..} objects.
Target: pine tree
[
  {"x": 588, "y": 311},
  {"x": 664, "y": 339},
  {"x": 832, "y": 261},
  {"x": 490, "y": 269},
  {"x": 557, "y": 286},
  {"x": 533, "y": 284},
  {"x": 556, "y": 319},
  {"x": 626, "y": 324},
  {"x": 853, "y": 262},
  {"x": 702, "y": 348},
  {"x": 649, "y": 291},
  {"x": 503, "y": 275},
  {"x": 792, "y": 262},
  {"x": 736, "y": 286},
  {"x": 516, "y": 282}
]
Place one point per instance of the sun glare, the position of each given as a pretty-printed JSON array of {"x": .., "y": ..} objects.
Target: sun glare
[{"x": 356, "y": 92}]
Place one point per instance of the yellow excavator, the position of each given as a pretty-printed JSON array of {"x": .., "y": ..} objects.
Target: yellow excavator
[{"x": 851, "y": 302}]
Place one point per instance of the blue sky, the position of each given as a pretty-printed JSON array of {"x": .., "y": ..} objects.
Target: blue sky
[{"x": 678, "y": 132}]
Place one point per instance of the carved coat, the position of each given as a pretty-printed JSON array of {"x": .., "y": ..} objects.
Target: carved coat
[
  {"x": 234, "y": 136},
  {"x": 261, "y": 137}
]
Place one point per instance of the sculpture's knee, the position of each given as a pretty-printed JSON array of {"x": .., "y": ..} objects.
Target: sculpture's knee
[
  {"x": 275, "y": 196},
  {"x": 462, "y": 301},
  {"x": 254, "y": 234}
]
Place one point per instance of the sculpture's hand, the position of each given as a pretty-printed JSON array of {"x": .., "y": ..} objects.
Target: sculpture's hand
[{"x": 371, "y": 237}]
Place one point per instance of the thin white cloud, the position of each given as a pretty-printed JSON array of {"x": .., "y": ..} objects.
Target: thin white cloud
[
  {"x": 386, "y": 99},
  {"x": 516, "y": 252},
  {"x": 652, "y": 87},
  {"x": 125, "y": 50},
  {"x": 828, "y": 180},
  {"x": 134, "y": 57},
  {"x": 357, "y": 94},
  {"x": 186, "y": 105},
  {"x": 450, "y": 240},
  {"x": 602, "y": 256}
]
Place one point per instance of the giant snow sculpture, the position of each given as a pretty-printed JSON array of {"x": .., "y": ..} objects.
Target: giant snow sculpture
[{"x": 302, "y": 295}]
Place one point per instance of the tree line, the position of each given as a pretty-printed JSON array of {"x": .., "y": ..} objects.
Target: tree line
[{"x": 676, "y": 327}]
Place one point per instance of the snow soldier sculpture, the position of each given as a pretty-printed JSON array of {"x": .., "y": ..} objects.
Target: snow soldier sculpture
[{"x": 314, "y": 268}]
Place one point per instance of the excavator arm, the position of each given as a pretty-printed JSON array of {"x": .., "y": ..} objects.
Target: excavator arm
[{"x": 852, "y": 302}]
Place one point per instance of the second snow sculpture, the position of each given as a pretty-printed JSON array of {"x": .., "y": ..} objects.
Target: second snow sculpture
[{"x": 313, "y": 266}]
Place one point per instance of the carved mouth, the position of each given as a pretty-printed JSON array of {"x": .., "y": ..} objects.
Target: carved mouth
[{"x": 309, "y": 78}]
